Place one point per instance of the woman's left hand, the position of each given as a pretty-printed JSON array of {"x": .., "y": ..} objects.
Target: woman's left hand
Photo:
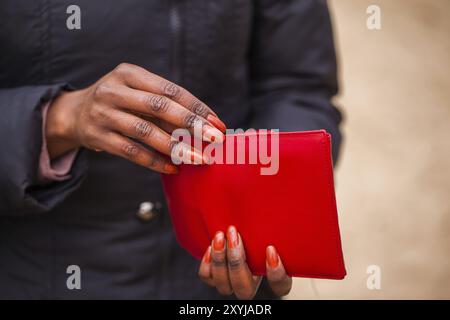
[{"x": 224, "y": 267}]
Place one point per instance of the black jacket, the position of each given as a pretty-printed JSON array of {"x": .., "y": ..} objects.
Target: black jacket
[{"x": 260, "y": 64}]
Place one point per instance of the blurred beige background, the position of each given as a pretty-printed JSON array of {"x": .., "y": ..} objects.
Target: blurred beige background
[{"x": 393, "y": 180}]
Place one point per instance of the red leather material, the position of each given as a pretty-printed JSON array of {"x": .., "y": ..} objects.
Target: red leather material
[{"x": 294, "y": 210}]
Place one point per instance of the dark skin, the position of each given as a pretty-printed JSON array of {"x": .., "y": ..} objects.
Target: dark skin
[
  {"x": 131, "y": 102},
  {"x": 224, "y": 267}
]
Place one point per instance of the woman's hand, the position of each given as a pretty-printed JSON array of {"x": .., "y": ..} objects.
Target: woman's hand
[
  {"x": 224, "y": 266},
  {"x": 130, "y": 102}
]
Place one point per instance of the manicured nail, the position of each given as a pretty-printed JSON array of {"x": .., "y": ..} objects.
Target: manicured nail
[
  {"x": 170, "y": 168},
  {"x": 211, "y": 134},
  {"x": 208, "y": 255},
  {"x": 216, "y": 122},
  {"x": 272, "y": 257},
  {"x": 219, "y": 241},
  {"x": 232, "y": 237}
]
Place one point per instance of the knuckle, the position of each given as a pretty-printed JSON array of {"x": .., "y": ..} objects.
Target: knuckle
[
  {"x": 191, "y": 120},
  {"x": 102, "y": 90},
  {"x": 122, "y": 69},
  {"x": 130, "y": 150},
  {"x": 143, "y": 129},
  {"x": 154, "y": 161},
  {"x": 89, "y": 134},
  {"x": 218, "y": 262},
  {"x": 157, "y": 104},
  {"x": 235, "y": 262},
  {"x": 171, "y": 90},
  {"x": 99, "y": 113},
  {"x": 95, "y": 112},
  {"x": 200, "y": 108},
  {"x": 122, "y": 65},
  {"x": 173, "y": 145}
]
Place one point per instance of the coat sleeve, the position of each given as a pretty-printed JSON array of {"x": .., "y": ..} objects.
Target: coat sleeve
[
  {"x": 293, "y": 68},
  {"x": 21, "y": 141}
]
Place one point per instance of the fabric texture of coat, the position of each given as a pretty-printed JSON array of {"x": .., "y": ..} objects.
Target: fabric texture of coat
[{"x": 258, "y": 64}]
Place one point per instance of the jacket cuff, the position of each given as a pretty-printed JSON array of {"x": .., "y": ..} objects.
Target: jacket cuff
[
  {"x": 21, "y": 191},
  {"x": 59, "y": 168}
]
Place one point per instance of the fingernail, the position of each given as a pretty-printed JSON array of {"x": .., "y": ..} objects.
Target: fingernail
[
  {"x": 219, "y": 241},
  {"x": 211, "y": 134},
  {"x": 170, "y": 168},
  {"x": 208, "y": 255},
  {"x": 272, "y": 257},
  {"x": 232, "y": 237},
  {"x": 216, "y": 122}
]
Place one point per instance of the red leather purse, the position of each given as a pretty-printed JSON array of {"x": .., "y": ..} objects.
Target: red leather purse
[{"x": 294, "y": 209}]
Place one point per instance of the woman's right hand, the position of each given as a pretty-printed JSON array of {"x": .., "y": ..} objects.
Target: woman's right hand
[{"x": 130, "y": 102}]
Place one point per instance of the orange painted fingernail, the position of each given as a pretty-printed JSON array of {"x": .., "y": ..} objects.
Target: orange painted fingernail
[
  {"x": 272, "y": 257},
  {"x": 216, "y": 122},
  {"x": 232, "y": 237},
  {"x": 211, "y": 134},
  {"x": 208, "y": 255},
  {"x": 170, "y": 168},
  {"x": 219, "y": 241}
]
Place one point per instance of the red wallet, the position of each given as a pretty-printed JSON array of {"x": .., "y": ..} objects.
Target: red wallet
[{"x": 293, "y": 210}]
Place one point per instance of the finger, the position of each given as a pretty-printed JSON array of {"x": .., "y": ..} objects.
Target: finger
[
  {"x": 242, "y": 281},
  {"x": 150, "y": 134},
  {"x": 141, "y": 79},
  {"x": 124, "y": 147},
  {"x": 279, "y": 281},
  {"x": 167, "y": 127},
  {"x": 204, "y": 271},
  {"x": 219, "y": 268},
  {"x": 163, "y": 108}
]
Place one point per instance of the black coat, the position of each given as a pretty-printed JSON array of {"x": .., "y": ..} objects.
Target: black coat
[{"x": 260, "y": 64}]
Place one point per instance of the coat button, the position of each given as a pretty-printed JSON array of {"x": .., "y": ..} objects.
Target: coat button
[{"x": 146, "y": 211}]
